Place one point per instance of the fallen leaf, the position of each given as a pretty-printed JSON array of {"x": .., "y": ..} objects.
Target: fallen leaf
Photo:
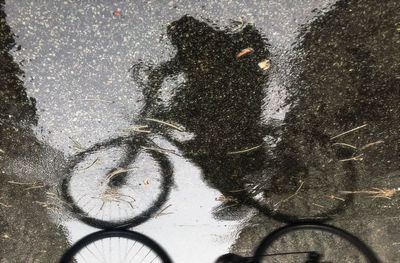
[
  {"x": 244, "y": 52},
  {"x": 265, "y": 64},
  {"x": 117, "y": 12}
]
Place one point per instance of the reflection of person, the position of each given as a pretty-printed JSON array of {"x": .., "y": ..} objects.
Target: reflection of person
[
  {"x": 221, "y": 102},
  {"x": 221, "y": 99}
]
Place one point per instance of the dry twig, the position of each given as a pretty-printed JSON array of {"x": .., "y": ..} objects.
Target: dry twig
[
  {"x": 318, "y": 205},
  {"x": 344, "y": 144},
  {"x": 90, "y": 165},
  {"x": 76, "y": 144},
  {"x": 34, "y": 187},
  {"x": 288, "y": 198},
  {"x": 161, "y": 211},
  {"x": 245, "y": 150},
  {"x": 116, "y": 172},
  {"x": 5, "y": 205},
  {"x": 177, "y": 127},
  {"x": 349, "y": 131},
  {"x": 371, "y": 144},
  {"x": 19, "y": 183},
  {"x": 337, "y": 198},
  {"x": 113, "y": 196},
  {"x": 56, "y": 198},
  {"x": 355, "y": 158},
  {"x": 386, "y": 193}
]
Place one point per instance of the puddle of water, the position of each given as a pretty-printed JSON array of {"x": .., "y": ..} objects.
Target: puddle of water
[
  {"x": 76, "y": 60},
  {"x": 187, "y": 228}
]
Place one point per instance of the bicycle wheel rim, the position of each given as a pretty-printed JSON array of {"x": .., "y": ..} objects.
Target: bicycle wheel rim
[
  {"x": 324, "y": 216},
  {"x": 166, "y": 184},
  {"x": 131, "y": 235},
  {"x": 275, "y": 235}
]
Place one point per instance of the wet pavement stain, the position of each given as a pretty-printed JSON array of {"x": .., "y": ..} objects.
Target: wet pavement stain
[
  {"x": 338, "y": 73},
  {"x": 27, "y": 233}
]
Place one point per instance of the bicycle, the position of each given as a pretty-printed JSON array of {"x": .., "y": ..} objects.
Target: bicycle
[
  {"x": 128, "y": 246},
  {"x": 229, "y": 143}
]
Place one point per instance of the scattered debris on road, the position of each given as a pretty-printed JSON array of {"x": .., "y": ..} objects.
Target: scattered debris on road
[
  {"x": 115, "y": 172},
  {"x": 245, "y": 150},
  {"x": 371, "y": 144},
  {"x": 344, "y": 144},
  {"x": 336, "y": 198},
  {"x": 355, "y": 158},
  {"x": 264, "y": 64},
  {"x": 291, "y": 196},
  {"x": 172, "y": 125},
  {"x": 349, "y": 131},
  {"x": 244, "y": 52},
  {"x": 117, "y": 12},
  {"x": 386, "y": 193}
]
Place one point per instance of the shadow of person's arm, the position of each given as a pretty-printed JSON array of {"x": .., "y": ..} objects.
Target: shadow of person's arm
[{"x": 156, "y": 77}]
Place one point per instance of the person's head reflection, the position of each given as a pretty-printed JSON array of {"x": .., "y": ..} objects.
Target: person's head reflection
[{"x": 221, "y": 99}]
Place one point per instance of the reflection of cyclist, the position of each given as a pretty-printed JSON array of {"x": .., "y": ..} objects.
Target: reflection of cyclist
[
  {"x": 221, "y": 99},
  {"x": 220, "y": 103}
]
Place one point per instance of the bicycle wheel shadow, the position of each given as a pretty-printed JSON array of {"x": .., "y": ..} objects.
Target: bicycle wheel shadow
[{"x": 220, "y": 102}]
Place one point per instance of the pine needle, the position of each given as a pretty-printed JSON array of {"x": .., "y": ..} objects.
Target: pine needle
[
  {"x": 288, "y": 198},
  {"x": 344, "y": 144},
  {"x": 370, "y": 144},
  {"x": 245, "y": 150},
  {"x": 347, "y": 132},
  {"x": 179, "y": 128}
]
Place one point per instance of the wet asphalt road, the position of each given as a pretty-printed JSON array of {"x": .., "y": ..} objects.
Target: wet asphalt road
[{"x": 74, "y": 75}]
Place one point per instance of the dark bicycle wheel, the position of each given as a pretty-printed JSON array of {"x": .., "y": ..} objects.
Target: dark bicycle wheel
[
  {"x": 117, "y": 183},
  {"x": 305, "y": 186},
  {"x": 312, "y": 243},
  {"x": 117, "y": 246}
]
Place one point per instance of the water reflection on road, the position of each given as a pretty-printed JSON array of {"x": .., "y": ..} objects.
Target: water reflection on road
[{"x": 323, "y": 76}]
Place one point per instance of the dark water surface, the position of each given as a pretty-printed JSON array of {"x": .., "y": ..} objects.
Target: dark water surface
[{"x": 252, "y": 147}]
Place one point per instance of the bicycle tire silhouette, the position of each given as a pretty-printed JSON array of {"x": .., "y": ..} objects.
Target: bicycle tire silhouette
[
  {"x": 324, "y": 216},
  {"x": 266, "y": 243},
  {"x": 131, "y": 241},
  {"x": 307, "y": 255},
  {"x": 133, "y": 146},
  {"x": 299, "y": 209}
]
